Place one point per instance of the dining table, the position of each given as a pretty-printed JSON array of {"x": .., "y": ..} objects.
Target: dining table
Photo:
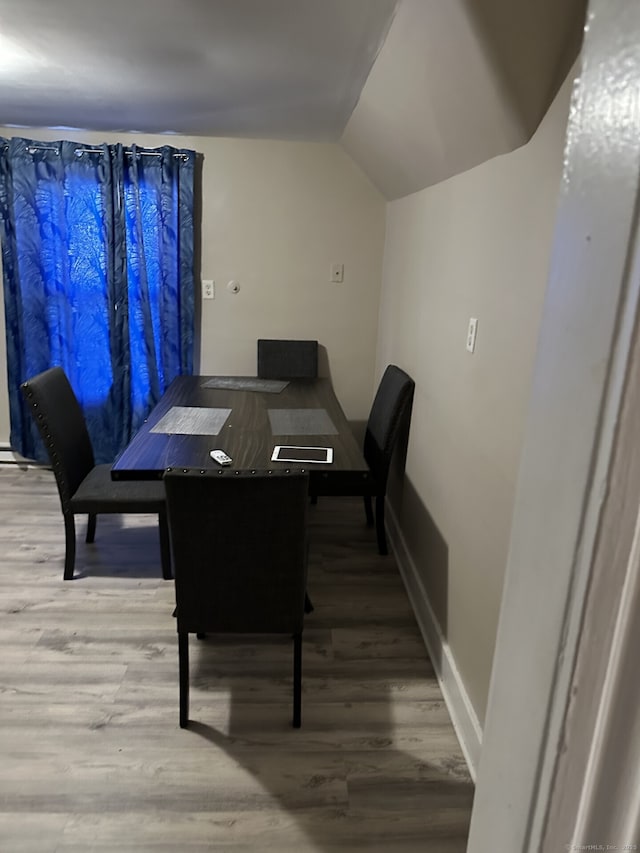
[{"x": 247, "y": 417}]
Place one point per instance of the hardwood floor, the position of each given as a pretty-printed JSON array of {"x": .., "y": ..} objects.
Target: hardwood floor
[{"x": 91, "y": 755}]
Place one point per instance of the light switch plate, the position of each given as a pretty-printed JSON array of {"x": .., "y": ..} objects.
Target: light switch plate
[
  {"x": 471, "y": 334},
  {"x": 208, "y": 289}
]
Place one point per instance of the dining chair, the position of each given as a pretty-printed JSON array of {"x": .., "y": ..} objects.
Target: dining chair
[
  {"x": 287, "y": 359},
  {"x": 239, "y": 543},
  {"x": 390, "y": 415},
  {"x": 83, "y": 486}
]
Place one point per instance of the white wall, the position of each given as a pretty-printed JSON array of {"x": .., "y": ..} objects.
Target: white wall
[
  {"x": 275, "y": 216},
  {"x": 477, "y": 245}
]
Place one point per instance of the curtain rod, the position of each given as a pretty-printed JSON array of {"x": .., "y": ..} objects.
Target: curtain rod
[{"x": 81, "y": 150}]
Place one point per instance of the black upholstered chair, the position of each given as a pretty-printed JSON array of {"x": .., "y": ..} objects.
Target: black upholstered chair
[
  {"x": 287, "y": 359},
  {"x": 240, "y": 559},
  {"x": 83, "y": 486},
  {"x": 390, "y": 415}
]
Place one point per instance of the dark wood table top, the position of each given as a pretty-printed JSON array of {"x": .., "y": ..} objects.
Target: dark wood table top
[{"x": 246, "y": 435}]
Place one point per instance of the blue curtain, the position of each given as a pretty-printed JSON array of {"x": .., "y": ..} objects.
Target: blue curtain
[{"x": 97, "y": 252}]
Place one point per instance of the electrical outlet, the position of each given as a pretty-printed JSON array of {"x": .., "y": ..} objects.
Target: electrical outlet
[
  {"x": 208, "y": 289},
  {"x": 471, "y": 334}
]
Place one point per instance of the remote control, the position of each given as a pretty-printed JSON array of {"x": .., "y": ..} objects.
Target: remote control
[{"x": 220, "y": 457}]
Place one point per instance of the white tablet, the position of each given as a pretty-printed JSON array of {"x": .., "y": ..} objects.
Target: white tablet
[{"x": 287, "y": 453}]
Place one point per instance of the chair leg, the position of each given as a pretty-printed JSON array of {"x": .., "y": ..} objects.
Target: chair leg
[
  {"x": 183, "y": 669},
  {"x": 165, "y": 547},
  {"x": 70, "y": 545},
  {"x": 297, "y": 680},
  {"x": 91, "y": 527},
  {"x": 382, "y": 538},
  {"x": 308, "y": 606},
  {"x": 368, "y": 510}
]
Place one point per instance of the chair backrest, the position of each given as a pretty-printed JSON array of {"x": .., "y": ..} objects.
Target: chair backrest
[
  {"x": 239, "y": 549},
  {"x": 287, "y": 359},
  {"x": 390, "y": 413},
  {"x": 60, "y": 421}
]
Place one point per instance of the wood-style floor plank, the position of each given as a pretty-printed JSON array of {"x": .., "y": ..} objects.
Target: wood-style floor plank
[{"x": 91, "y": 755}]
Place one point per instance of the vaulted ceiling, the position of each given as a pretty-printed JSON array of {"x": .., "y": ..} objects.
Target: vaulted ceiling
[{"x": 415, "y": 90}]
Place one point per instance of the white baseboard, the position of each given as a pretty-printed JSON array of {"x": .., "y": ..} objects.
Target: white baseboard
[
  {"x": 10, "y": 457},
  {"x": 463, "y": 716}
]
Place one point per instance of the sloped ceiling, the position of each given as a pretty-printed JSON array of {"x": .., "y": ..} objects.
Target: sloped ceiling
[
  {"x": 459, "y": 82},
  {"x": 415, "y": 90}
]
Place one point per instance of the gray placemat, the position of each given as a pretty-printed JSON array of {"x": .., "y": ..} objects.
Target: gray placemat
[
  {"x": 192, "y": 420},
  {"x": 248, "y": 383},
  {"x": 301, "y": 422}
]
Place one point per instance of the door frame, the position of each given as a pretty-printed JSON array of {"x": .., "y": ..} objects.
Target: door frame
[{"x": 566, "y": 634}]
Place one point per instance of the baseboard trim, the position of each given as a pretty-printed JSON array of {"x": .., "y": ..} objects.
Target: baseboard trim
[
  {"x": 10, "y": 457},
  {"x": 463, "y": 716}
]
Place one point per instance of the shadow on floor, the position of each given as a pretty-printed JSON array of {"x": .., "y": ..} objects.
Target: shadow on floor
[{"x": 376, "y": 764}]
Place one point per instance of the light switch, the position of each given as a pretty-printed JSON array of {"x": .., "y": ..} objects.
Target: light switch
[
  {"x": 208, "y": 289},
  {"x": 471, "y": 334}
]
